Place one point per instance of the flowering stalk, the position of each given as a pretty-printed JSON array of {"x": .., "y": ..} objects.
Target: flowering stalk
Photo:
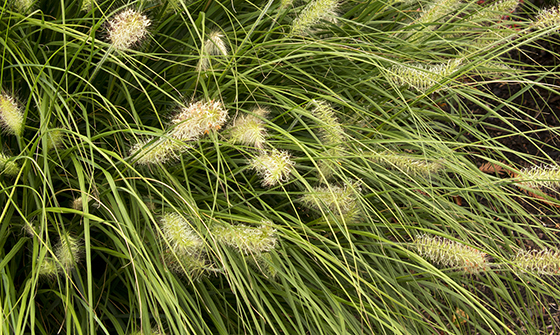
[
  {"x": 541, "y": 177},
  {"x": 247, "y": 240},
  {"x": 450, "y": 253},
  {"x": 7, "y": 166},
  {"x": 423, "y": 77},
  {"x": 330, "y": 130},
  {"x": 249, "y": 129},
  {"x": 48, "y": 268},
  {"x": 11, "y": 115},
  {"x": 274, "y": 167},
  {"x": 197, "y": 119},
  {"x": 127, "y": 28},
  {"x": 313, "y": 13},
  {"x": 543, "y": 262},
  {"x": 493, "y": 11}
]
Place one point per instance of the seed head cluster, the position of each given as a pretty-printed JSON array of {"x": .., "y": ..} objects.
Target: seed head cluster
[
  {"x": 409, "y": 165},
  {"x": 274, "y": 167},
  {"x": 127, "y": 28},
  {"x": 449, "y": 253},
  {"x": 312, "y": 14},
  {"x": 330, "y": 130},
  {"x": 213, "y": 46},
  {"x": 337, "y": 199},
  {"x": 158, "y": 151},
  {"x": 7, "y": 166},
  {"x": 11, "y": 115}
]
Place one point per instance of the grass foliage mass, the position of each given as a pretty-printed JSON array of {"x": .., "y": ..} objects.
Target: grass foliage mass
[{"x": 270, "y": 167}]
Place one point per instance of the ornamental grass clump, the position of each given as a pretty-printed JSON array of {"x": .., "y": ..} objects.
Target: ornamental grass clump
[
  {"x": 451, "y": 254},
  {"x": 127, "y": 28},
  {"x": 540, "y": 262}
]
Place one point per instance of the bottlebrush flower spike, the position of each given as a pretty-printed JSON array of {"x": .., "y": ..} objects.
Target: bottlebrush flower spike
[
  {"x": 197, "y": 119},
  {"x": 493, "y": 11},
  {"x": 179, "y": 234},
  {"x": 548, "y": 18},
  {"x": 68, "y": 252},
  {"x": 274, "y": 167},
  {"x": 541, "y": 177},
  {"x": 407, "y": 164},
  {"x": 338, "y": 200},
  {"x": 23, "y": 6},
  {"x": 330, "y": 130},
  {"x": 87, "y": 5},
  {"x": 48, "y": 268},
  {"x": 213, "y": 46},
  {"x": 249, "y": 129},
  {"x": 423, "y": 77},
  {"x": 11, "y": 115},
  {"x": 55, "y": 139},
  {"x": 127, "y": 28},
  {"x": 543, "y": 262},
  {"x": 160, "y": 151},
  {"x": 450, "y": 253},
  {"x": 248, "y": 240},
  {"x": 8, "y": 166},
  {"x": 312, "y": 14}
]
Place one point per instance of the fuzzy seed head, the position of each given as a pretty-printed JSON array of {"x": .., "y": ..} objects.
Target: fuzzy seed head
[
  {"x": 160, "y": 151},
  {"x": 48, "y": 268},
  {"x": 408, "y": 164},
  {"x": 11, "y": 115},
  {"x": 336, "y": 199},
  {"x": 127, "y": 28},
  {"x": 23, "y": 6},
  {"x": 8, "y": 167},
  {"x": 247, "y": 240},
  {"x": 55, "y": 139},
  {"x": 423, "y": 77},
  {"x": 248, "y": 130},
  {"x": 547, "y": 19},
  {"x": 197, "y": 119},
  {"x": 438, "y": 9},
  {"x": 213, "y": 46},
  {"x": 543, "y": 262},
  {"x": 494, "y": 11},
  {"x": 331, "y": 132},
  {"x": 312, "y": 14},
  {"x": 87, "y": 5},
  {"x": 449, "y": 253},
  {"x": 191, "y": 264},
  {"x": 274, "y": 167},
  {"x": 541, "y": 177},
  {"x": 68, "y": 252},
  {"x": 180, "y": 235},
  {"x": 263, "y": 263}
]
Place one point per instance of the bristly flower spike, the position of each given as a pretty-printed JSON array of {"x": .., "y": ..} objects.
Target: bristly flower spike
[
  {"x": 274, "y": 167},
  {"x": 213, "y": 46},
  {"x": 160, "y": 151},
  {"x": 331, "y": 132},
  {"x": 23, "y": 6},
  {"x": 11, "y": 115},
  {"x": 337, "y": 199},
  {"x": 408, "y": 164},
  {"x": 199, "y": 118},
  {"x": 250, "y": 129},
  {"x": 248, "y": 240},
  {"x": 543, "y": 262},
  {"x": 541, "y": 177},
  {"x": 548, "y": 18},
  {"x": 312, "y": 14},
  {"x": 68, "y": 252},
  {"x": 127, "y": 28},
  {"x": 7, "y": 166},
  {"x": 179, "y": 234},
  {"x": 449, "y": 253},
  {"x": 423, "y": 77}
]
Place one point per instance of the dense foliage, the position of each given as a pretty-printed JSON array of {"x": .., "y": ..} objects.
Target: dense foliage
[{"x": 270, "y": 167}]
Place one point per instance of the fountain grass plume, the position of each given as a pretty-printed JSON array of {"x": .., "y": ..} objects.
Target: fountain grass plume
[
  {"x": 11, "y": 114},
  {"x": 247, "y": 240},
  {"x": 274, "y": 167},
  {"x": 127, "y": 28},
  {"x": 197, "y": 119},
  {"x": 249, "y": 129}
]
